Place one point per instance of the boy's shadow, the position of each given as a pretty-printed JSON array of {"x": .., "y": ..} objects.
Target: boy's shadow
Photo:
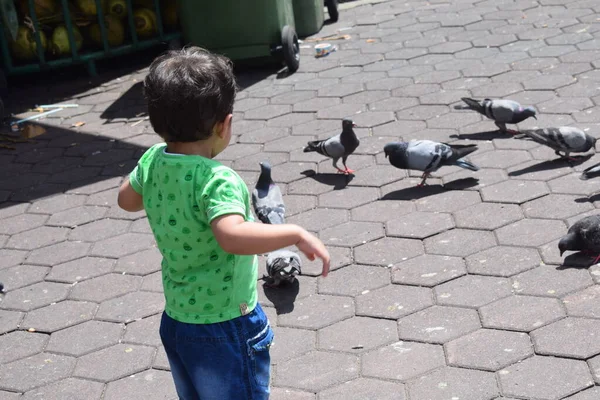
[
  {"x": 283, "y": 297},
  {"x": 338, "y": 181}
]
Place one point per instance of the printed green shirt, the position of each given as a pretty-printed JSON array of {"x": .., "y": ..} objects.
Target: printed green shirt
[{"x": 182, "y": 195}]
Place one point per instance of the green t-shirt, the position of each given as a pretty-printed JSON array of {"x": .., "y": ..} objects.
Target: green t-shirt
[{"x": 182, "y": 195}]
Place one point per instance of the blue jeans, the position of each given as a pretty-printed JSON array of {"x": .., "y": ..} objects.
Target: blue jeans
[{"x": 224, "y": 361}]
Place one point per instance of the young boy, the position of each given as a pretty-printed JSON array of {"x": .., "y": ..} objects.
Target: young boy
[{"x": 215, "y": 333}]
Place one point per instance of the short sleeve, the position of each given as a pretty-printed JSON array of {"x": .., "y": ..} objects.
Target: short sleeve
[
  {"x": 136, "y": 179},
  {"x": 223, "y": 194}
]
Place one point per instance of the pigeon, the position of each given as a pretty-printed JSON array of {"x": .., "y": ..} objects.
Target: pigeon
[
  {"x": 590, "y": 172},
  {"x": 338, "y": 146},
  {"x": 282, "y": 266},
  {"x": 584, "y": 236},
  {"x": 501, "y": 111},
  {"x": 428, "y": 156},
  {"x": 267, "y": 198},
  {"x": 564, "y": 138}
]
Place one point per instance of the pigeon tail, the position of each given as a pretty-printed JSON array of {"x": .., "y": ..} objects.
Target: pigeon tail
[
  {"x": 312, "y": 146},
  {"x": 461, "y": 151},
  {"x": 473, "y": 104},
  {"x": 467, "y": 165}
]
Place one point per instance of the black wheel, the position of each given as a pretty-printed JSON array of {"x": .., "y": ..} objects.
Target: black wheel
[
  {"x": 332, "y": 7},
  {"x": 290, "y": 47}
]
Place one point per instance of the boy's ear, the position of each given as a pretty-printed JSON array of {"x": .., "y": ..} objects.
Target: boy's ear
[{"x": 223, "y": 128}]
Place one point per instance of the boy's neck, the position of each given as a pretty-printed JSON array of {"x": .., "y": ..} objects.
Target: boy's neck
[{"x": 202, "y": 148}]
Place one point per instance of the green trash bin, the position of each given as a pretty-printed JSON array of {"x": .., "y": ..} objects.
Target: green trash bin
[
  {"x": 242, "y": 30},
  {"x": 309, "y": 16}
]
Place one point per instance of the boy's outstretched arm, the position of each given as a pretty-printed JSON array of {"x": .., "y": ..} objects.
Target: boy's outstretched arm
[
  {"x": 237, "y": 236},
  {"x": 129, "y": 199}
]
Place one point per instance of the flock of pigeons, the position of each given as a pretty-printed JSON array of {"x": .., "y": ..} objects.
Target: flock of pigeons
[{"x": 428, "y": 156}]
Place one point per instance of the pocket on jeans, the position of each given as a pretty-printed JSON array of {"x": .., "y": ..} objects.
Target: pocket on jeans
[{"x": 260, "y": 359}]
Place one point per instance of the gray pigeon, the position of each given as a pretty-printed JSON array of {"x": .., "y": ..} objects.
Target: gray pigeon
[
  {"x": 584, "y": 236},
  {"x": 282, "y": 266},
  {"x": 590, "y": 172},
  {"x": 565, "y": 138},
  {"x": 267, "y": 198},
  {"x": 428, "y": 156},
  {"x": 338, "y": 146},
  {"x": 501, "y": 111}
]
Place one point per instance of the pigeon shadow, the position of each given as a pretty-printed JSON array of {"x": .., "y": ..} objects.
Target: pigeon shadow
[
  {"x": 462, "y": 184},
  {"x": 338, "y": 181},
  {"x": 283, "y": 296},
  {"x": 419, "y": 192},
  {"x": 550, "y": 164},
  {"x": 577, "y": 260},
  {"x": 589, "y": 199},
  {"x": 487, "y": 135}
]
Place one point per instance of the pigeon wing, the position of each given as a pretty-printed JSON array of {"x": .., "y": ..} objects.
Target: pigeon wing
[{"x": 424, "y": 155}]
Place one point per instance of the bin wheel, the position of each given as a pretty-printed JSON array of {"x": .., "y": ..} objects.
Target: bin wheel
[
  {"x": 332, "y": 7},
  {"x": 291, "y": 48}
]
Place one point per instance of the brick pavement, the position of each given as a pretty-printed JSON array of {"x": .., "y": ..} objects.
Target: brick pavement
[{"x": 452, "y": 291}]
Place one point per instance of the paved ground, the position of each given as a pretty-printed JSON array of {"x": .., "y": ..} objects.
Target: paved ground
[{"x": 453, "y": 291}]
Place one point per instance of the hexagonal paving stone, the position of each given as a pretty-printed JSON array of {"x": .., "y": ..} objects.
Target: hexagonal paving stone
[
  {"x": 594, "y": 364},
  {"x": 556, "y": 339},
  {"x": 550, "y": 281},
  {"x": 99, "y": 230},
  {"x": 105, "y": 287},
  {"x": 317, "y": 370},
  {"x": 131, "y": 306},
  {"x": 70, "y": 388},
  {"x": 8, "y": 258},
  {"x": 438, "y": 324},
  {"x": 589, "y": 394},
  {"x": 289, "y": 394},
  {"x": 570, "y": 184},
  {"x": 317, "y": 311},
  {"x": 38, "y": 237},
  {"x": 349, "y": 198},
  {"x": 488, "y": 216},
  {"x": 381, "y": 211},
  {"x": 428, "y": 270},
  {"x": 85, "y": 338},
  {"x": 503, "y": 261},
  {"x": 449, "y": 201},
  {"x": 35, "y": 296},
  {"x": 114, "y": 362},
  {"x": 59, "y": 316},
  {"x": 354, "y": 280},
  {"x": 9, "y": 321},
  {"x": 77, "y": 216},
  {"x": 80, "y": 269},
  {"x": 459, "y": 242},
  {"x": 355, "y": 335},
  {"x": 22, "y": 275},
  {"x": 514, "y": 191},
  {"x": 584, "y": 303},
  {"x": 291, "y": 343},
  {"x": 402, "y": 360},
  {"x": 352, "y": 234},
  {"x": 366, "y": 389},
  {"x": 58, "y": 253},
  {"x": 21, "y": 344},
  {"x": 393, "y": 301},
  {"x": 489, "y": 349},
  {"x": 449, "y": 383},
  {"x": 122, "y": 245},
  {"x": 472, "y": 291},
  {"x": 144, "y": 331},
  {"x": 58, "y": 203},
  {"x": 545, "y": 378},
  {"x": 34, "y": 371},
  {"x": 521, "y": 313},
  {"x": 142, "y": 263},
  {"x": 319, "y": 218},
  {"x": 555, "y": 206},
  {"x": 387, "y": 251},
  {"x": 340, "y": 257},
  {"x": 22, "y": 222},
  {"x": 419, "y": 225},
  {"x": 529, "y": 232},
  {"x": 142, "y": 386}
]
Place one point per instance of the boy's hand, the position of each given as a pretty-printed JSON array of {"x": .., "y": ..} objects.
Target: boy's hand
[{"x": 313, "y": 248}]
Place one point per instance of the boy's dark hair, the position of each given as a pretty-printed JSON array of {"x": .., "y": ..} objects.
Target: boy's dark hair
[{"x": 188, "y": 92}]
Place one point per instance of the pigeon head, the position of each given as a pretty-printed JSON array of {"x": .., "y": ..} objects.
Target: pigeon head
[
  {"x": 529, "y": 112},
  {"x": 568, "y": 242},
  {"x": 348, "y": 124},
  {"x": 394, "y": 147}
]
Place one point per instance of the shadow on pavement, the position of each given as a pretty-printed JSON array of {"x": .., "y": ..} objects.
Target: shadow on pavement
[
  {"x": 338, "y": 181},
  {"x": 283, "y": 297}
]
